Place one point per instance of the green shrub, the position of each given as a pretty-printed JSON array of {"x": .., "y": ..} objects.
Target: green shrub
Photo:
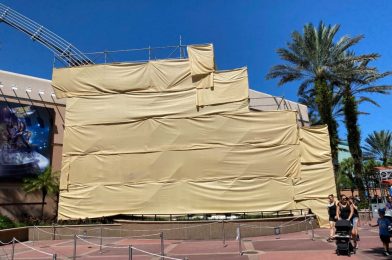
[
  {"x": 5, "y": 222},
  {"x": 363, "y": 205}
]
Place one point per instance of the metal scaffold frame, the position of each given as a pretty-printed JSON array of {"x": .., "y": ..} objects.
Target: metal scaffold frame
[{"x": 64, "y": 51}]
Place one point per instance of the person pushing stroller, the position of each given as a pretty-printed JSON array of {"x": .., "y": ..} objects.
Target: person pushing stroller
[
  {"x": 344, "y": 213},
  {"x": 344, "y": 209}
]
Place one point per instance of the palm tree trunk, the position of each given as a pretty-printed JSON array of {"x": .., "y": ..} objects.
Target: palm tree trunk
[
  {"x": 354, "y": 138},
  {"x": 324, "y": 103},
  {"x": 57, "y": 206},
  {"x": 385, "y": 161},
  {"x": 367, "y": 187},
  {"x": 44, "y": 193}
]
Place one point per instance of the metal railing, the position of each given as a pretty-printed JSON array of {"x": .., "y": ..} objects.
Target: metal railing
[
  {"x": 54, "y": 255},
  {"x": 98, "y": 238},
  {"x": 64, "y": 51}
]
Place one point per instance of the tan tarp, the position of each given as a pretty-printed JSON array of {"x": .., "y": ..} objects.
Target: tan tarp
[
  {"x": 201, "y": 58},
  {"x": 152, "y": 139},
  {"x": 212, "y": 156},
  {"x": 315, "y": 145},
  {"x": 315, "y": 175},
  {"x": 94, "y": 200},
  {"x": 316, "y": 180},
  {"x": 150, "y": 77},
  {"x": 117, "y": 108},
  {"x": 221, "y": 130},
  {"x": 203, "y": 81},
  {"x": 228, "y": 86},
  {"x": 319, "y": 207}
]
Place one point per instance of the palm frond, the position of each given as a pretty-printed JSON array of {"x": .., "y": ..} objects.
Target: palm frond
[
  {"x": 42, "y": 181},
  {"x": 363, "y": 113},
  {"x": 378, "y": 146},
  {"x": 382, "y": 89},
  {"x": 368, "y": 100},
  {"x": 286, "y": 73}
]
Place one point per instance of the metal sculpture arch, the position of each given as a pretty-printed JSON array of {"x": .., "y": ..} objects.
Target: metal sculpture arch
[{"x": 64, "y": 51}]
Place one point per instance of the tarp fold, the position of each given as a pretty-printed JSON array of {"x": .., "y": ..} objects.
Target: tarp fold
[{"x": 201, "y": 59}]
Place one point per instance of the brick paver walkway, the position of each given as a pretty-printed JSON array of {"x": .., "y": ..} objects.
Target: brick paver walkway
[{"x": 289, "y": 246}]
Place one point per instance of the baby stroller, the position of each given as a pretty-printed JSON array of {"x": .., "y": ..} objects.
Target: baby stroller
[{"x": 343, "y": 238}]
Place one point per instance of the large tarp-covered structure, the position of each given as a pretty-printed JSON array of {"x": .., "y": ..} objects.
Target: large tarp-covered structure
[{"x": 177, "y": 137}]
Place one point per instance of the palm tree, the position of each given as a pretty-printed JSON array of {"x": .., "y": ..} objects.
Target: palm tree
[
  {"x": 371, "y": 177},
  {"x": 46, "y": 183},
  {"x": 355, "y": 79},
  {"x": 307, "y": 98},
  {"x": 311, "y": 58},
  {"x": 378, "y": 146},
  {"x": 346, "y": 178}
]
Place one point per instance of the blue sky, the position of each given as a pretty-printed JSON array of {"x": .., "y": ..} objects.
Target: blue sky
[{"x": 244, "y": 33}]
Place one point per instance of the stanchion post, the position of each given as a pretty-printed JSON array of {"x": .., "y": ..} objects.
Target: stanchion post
[
  {"x": 130, "y": 253},
  {"x": 223, "y": 233},
  {"x": 100, "y": 240},
  {"x": 74, "y": 248},
  {"x": 277, "y": 232},
  {"x": 210, "y": 230},
  {"x": 162, "y": 246},
  {"x": 306, "y": 225},
  {"x": 13, "y": 249},
  {"x": 34, "y": 235},
  {"x": 239, "y": 238},
  {"x": 311, "y": 225},
  {"x": 54, "y": 231}
]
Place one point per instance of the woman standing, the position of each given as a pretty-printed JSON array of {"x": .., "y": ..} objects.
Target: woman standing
[
  {"x": 332, "y": 216},
  {"x": 354, "y": 221}
]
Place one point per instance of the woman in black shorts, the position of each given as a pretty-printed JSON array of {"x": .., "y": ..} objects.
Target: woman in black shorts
[{"x": 332, "y": 216}]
